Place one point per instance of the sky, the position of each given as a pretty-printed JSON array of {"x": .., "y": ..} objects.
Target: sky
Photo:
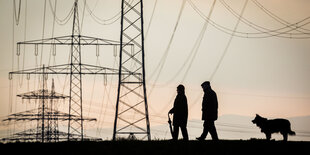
[{"x": 269, "y": 75}]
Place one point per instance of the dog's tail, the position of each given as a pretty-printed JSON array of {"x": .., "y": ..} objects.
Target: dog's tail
[{"x": 291, "y": 133}]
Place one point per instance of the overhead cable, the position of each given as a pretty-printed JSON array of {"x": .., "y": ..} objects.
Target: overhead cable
[
  {"x": 198, "y": 42},
  {"x": 101, "y": 21},
  {"x": 229, "y": 42},
  {"x": 162, "y": 62},
  {"x": 240, "y": 34},
  {"x": 274, "y": 16},
  {"x": 263, "y": 30},
  {"x": 151, "y": 19},
  {"x": 63, "y": 21}
]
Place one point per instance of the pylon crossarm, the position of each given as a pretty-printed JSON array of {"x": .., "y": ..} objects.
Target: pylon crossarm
[
  {"x": 65, "y": 69},
  {"x": 58, "y": 69},
  {"x": 32, "y": 134},
  {"x": 94, "y": 41},
  {"x": 51, "y": 114},
  {"x": 91, "y": 69},
  {"x": 67, "y": 40},
  {"x": 63, "y": 40},
  {"x": 42, "y": 94},
  {"x": 26, "y": 132}
]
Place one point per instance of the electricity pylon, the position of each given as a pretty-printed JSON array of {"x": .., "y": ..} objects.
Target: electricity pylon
[
  {"x": 131, "y": 115},
  {"x": 46, "y": 115},
  {"x": 75, "y": 69}
]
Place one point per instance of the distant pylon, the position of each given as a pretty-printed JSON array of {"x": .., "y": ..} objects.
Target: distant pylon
[
  {"x": 75, "y": 69},
  {"x": 46, "y": 115},
  {"x": 131, "y": 115}
]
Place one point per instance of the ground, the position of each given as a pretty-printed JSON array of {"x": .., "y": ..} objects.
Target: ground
[{"x": 226, "y": 147}]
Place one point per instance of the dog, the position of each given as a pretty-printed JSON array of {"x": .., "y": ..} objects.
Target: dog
[{"x": 273, "y": 126}]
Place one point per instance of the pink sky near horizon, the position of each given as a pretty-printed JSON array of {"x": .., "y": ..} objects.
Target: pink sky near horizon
[{"x": 266, "y": 76}]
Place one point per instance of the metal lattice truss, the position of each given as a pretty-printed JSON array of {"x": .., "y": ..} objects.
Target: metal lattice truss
[
  {"x": 131, "y": 116},
  {"x": 42, "y": 94},
  {"x": 66, "y": 69},
  {"x": 76, "y": 69},
  {"x": 50, "y": 114},
  {"x": 45, "y": 115},
  {"x": 31, "y": 135},
  {"x": 67, "y": 40}
]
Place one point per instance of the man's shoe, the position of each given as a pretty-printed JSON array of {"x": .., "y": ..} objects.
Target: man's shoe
[{"x": 200, "y": 138}]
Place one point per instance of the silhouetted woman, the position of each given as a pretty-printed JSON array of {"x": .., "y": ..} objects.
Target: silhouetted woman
[{"x": 180, "y": 113}]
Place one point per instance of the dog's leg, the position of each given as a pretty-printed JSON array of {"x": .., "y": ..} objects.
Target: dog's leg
[{"x": 284, "y": 136}]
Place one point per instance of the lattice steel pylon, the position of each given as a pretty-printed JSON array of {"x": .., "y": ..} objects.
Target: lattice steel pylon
[
  {"x": 53, "y": 132},
  {"x": 131, "y": 115},
  {"x": 75, "y": 69},
  {"x": 46, "y": 115},
  {"x": 75, "y": 104}
]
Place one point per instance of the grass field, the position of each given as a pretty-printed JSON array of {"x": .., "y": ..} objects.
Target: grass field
[{"x": 226, "y": 147}]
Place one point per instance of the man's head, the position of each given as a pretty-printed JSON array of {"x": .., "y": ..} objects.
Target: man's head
[
  {"x": 181, "y": 89},
  {"x": 206, "y": 85}
]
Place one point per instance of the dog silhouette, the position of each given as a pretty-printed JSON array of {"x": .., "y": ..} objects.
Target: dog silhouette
[{"x": 273, "y": 126}]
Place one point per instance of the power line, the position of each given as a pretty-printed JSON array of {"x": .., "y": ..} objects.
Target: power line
[
  {"x": 59, "y": 21},
  {"x": 192, "y": 54},
  {"x": 265, "y": 30},
  {"x": 248, "y": 34},
  {"x": 101, "y": 21},
  {"x": 198, "y": 42},
  {"x": 274, "y": 16},
  {"x": 151, "y": 19},
  {"x": 268, "y": 96},
  {"x": 164, "y": 57},
  {"x": 13, "y": 51},
  {"x": 229, "y": 42},
  {"x": 82, "y": 22},
  {"x": 162, "y": 62},
  {"x": 192, "y": 122},
  {"x": 194, "y": 50},
  {"x": 92, "y": 90},
  {"x": 21, "y": 79},
  {"x": 53, "y": 31}
]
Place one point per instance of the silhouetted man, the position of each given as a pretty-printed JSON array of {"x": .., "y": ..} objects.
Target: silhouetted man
[
  {"x": 209, "y": 111},
  {"x": 180, "y": 114}
]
